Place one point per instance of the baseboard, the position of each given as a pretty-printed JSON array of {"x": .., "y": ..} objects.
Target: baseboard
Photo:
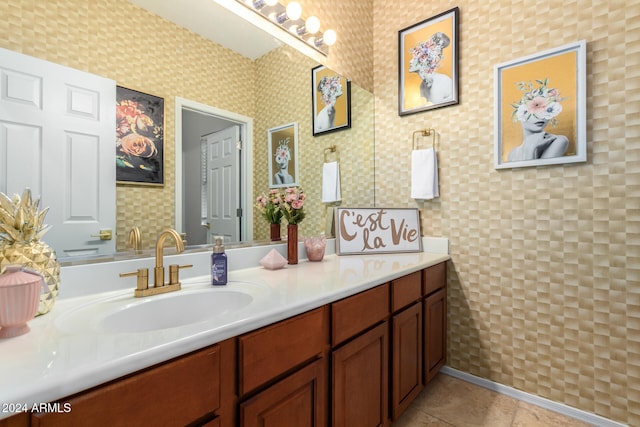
[{"x": 560, "y": 408}]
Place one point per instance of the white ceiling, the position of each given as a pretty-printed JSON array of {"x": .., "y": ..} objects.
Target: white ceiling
[{"x": 210, "y": 20}]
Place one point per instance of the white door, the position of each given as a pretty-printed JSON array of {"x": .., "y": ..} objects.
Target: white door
[
  {"x": 57, "y": 137},
  {"x": 221, "y": 184}
]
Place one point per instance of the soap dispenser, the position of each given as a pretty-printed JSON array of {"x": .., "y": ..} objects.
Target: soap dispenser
[{"x": 218, "y": 263}]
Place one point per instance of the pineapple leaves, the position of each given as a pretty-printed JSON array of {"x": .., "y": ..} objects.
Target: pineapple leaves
[{"x": 20, "y": 219}]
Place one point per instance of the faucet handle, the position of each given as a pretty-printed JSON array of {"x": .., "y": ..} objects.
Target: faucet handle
[
  {"x": 174, "y": 269},
  {"x": 143, "y": 277}
]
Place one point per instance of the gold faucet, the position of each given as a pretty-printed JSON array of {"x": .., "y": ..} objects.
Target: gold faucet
[
  {"x": 135, "y": 239},
  {"x": 159, "y": 287}
]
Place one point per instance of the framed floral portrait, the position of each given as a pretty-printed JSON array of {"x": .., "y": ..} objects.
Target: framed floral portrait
[
  {"x": 540, "y": 108},
  {"x": 139, "y": 138},
  {"x": 428, "y": 64},
  {"x": 331, "y": 101},
  {"x": 283, "y": 156}
]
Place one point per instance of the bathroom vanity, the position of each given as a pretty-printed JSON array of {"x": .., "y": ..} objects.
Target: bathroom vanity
[{"x": 349, "y": 338}]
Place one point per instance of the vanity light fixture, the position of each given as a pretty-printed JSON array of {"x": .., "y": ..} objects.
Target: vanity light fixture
[{"x": 290, "y": 19}]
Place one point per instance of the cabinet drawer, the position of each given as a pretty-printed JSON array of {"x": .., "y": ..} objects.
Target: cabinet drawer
[
  {"x": 406, "y": 290},
  {"x": 176, "y": 393},
  {"x": 434, "y": 278},
  {"x": 353, "y": 315},
  {"x": 273, "y": 350}
]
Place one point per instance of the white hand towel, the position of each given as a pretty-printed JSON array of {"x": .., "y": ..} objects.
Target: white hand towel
[
  {"x": 331, "y": 182},
  {"x": 424, "y": 174}
]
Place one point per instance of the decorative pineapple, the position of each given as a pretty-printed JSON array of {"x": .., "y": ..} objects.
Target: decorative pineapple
[{"x": 20, "y": 231}]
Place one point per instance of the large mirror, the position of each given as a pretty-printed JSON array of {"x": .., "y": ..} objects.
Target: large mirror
[{"x": 207, "y": 87}]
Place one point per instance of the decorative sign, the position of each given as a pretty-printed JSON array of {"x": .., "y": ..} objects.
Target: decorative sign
[{"x": 377, "y": 230}]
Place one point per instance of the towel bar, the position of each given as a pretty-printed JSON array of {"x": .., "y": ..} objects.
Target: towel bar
[
  {"x": 331, "y": 149},
  {"x": 425, "y": 132}
]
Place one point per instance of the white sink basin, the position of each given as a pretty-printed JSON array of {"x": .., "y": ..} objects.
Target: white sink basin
[{"x": 125, "y": 314}]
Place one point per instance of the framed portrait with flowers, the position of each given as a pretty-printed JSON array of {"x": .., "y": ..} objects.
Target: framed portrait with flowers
[
  {"x": 139, "y": 138},
  {"x": 540, "y": 108},
  {"x": 283, "y": 156},
  {"x": 428, "y": 64},
  {"x": 331, "y": 101}
]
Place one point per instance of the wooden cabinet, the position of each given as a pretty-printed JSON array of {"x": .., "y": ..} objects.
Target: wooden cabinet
[
  {"x": 360, "y": 365},
  {"x": 434, "y": 280},
  {"x": 298, "y": 400},
  {"x": 435, "y": 337},
  {"x": 357, "y": 362},
  {"x": 179, "y": 392},
  {"x": 283, "y": 372},
  {"x": 17, "y": 420},
  {"x": 406, "y": 354}
]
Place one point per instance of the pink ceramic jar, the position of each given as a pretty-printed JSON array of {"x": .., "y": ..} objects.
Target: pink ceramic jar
[{"x": 19, "y": 299}]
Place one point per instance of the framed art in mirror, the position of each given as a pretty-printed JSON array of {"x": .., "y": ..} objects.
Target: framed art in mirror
[
  {"x": 331, "y": 101},
  {"x": 540, "y": 108},
  {"x": 139, "y": 138},
  {"x": 283, "y": 156},
  {"x": 428, "y": 64}
]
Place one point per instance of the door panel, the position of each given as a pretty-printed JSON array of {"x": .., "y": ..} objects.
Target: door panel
[
  {"x": 222, "y": 184},
  {"x": 57, "y": 137}
]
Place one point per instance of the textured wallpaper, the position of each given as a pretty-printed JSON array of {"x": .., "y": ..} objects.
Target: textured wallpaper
[
  {"x": 283, "y": 101},
  {"x": 544, "y": 282}
]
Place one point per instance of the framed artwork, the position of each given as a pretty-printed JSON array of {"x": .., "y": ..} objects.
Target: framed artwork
[
  {"x": 331, "y": 101},
  {"x": 428, "y": 64},
  {"x": 139, "y": 138},
  {"x": 541, "y": 108},
  {"x": 377, "y": 230},
  {"x": 283, "y": 156}
]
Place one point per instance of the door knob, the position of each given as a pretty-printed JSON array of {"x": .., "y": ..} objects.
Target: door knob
[{"x": 105, "y": 234}]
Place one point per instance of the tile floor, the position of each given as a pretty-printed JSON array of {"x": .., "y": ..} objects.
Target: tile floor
[{"x": 450, "y": 402}]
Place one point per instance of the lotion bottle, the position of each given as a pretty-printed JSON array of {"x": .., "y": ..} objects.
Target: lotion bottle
[{"x": 218, "y": 264}]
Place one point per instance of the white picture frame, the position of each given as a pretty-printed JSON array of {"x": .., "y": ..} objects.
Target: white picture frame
[
  {"x": 537, "y": 92},
  {"x": 283, "y": 156}
]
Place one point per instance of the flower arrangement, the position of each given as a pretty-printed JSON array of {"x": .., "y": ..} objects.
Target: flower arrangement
[
  {"x": 330, "y": 88},
  {"x": 270, "y": 206},
  {"x": 293, "y": 205},
  {"x": 427, "y": 55},
  {"x": 541, "y": 103}
]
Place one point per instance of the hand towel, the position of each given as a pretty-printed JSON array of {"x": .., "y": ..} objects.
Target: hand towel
[
  {"x": 331, "y": 182},
  {"x": 424, "y": 174}
]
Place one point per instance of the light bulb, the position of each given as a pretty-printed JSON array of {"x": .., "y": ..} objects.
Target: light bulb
[
  {"x": 294, "y": 11},
  {"x": 330, "y": 37},
  {"x": 313, "y": 24}
]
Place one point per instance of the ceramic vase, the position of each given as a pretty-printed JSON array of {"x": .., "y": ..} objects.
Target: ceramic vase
[
  {"x": 292, "y": 243},
  {"x": 274, "y": 231}
]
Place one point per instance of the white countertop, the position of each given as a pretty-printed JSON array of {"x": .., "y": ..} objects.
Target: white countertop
[{"x": 49, "y": 362}]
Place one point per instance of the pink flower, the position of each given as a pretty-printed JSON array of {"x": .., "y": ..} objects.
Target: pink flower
[
  {"x": 537, "y": 105},
  {"x": 297, "y": 204}
]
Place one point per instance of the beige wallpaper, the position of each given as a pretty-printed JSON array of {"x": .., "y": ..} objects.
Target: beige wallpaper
[
  {"x": 544, "y": 283},
  {"x": 283, "y": 101}
]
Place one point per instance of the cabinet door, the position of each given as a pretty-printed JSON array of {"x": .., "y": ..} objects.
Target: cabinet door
[
  {"x": 435, "y": 333},
  {"x": 298, "y": 400},
  {"x": 360, "y": 373},
  {"x": 406, "y": 350}
]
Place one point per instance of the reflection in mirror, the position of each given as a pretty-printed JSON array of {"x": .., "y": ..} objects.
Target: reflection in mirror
[{"x": 142, "y": 51}]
